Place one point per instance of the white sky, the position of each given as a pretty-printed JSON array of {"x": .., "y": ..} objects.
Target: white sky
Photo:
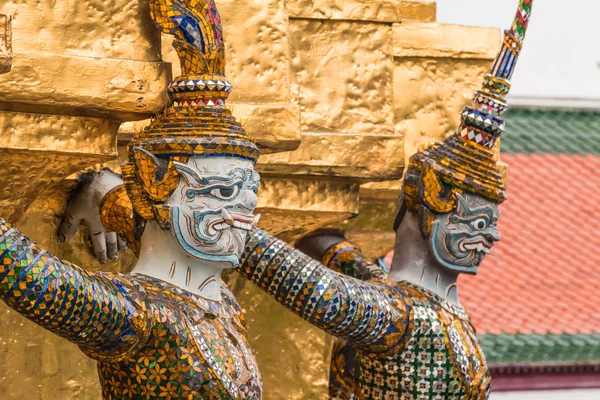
[{"x": 561, "y": 55}]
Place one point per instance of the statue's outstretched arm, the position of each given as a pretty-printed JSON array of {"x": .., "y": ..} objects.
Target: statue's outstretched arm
[
  {"x": 367, "y": 314},
  {"x": 103, "y": 314},
  {"x": 336, "y": 253}
]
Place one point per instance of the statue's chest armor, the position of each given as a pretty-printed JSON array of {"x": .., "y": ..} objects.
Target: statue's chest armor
[
  {"x": 225, "y": 353},
  {"x": 191, "y": 353},
  {"x": 441, "y": 359}
]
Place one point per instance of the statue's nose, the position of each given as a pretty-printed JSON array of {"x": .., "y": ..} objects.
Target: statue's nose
[
  {"x": 249, "y": 199},
  {"x": 493, "y": 236}
]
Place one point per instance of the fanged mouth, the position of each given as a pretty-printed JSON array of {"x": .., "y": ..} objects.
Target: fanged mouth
[
  {"x": 479, "y": 245},
  {"x": 233, "y": 220}
]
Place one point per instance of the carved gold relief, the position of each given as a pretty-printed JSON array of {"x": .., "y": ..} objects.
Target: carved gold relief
[
  {"x": 343, "y": 75},
  {"x": 5, "y": 44}
]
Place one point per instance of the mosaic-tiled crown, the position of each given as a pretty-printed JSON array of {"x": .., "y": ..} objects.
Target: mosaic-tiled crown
[
  {"x": 465, "y": 160},
  {"x": 196, "y": 122}
]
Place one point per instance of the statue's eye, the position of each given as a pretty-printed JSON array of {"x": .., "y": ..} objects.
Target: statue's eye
[
  {"x": 225, "y": 193},
  {"x": 479, "y": 224}
]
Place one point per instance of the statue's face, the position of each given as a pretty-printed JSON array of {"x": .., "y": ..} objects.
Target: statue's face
[
  {"x": 460, "y": 239},
  {"x": 212, "y": 209}
]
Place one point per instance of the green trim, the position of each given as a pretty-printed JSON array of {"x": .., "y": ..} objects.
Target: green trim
[
  {"x": 551, "y": 131},
  {"x": 534, "y": 348}
]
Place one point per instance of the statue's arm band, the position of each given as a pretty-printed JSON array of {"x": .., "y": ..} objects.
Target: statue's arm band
[
  {"x": 357, "y": 311},
  {"x": 90, "y": 310}
]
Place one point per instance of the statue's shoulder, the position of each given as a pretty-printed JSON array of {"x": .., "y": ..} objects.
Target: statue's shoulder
[
  {"x": 135, "y": 325},
  {"x": 232, "y": 307}
]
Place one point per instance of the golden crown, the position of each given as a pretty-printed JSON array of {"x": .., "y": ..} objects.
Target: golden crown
[
  {"x": 196, "y": 122},
  {"x": 465, "y": 161}
]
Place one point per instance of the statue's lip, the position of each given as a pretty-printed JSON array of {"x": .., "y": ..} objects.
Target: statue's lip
[
  {"x": 239, "y": 220},
  {"x": 481, "y": 245},
  {"x": 242, "y": 217}
]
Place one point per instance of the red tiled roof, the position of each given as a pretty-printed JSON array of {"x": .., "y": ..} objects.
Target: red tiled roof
[{"x": 544, "y": 276}]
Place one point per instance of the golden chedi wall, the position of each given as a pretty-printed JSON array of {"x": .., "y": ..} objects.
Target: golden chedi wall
[{"x": 336, "y": 93}]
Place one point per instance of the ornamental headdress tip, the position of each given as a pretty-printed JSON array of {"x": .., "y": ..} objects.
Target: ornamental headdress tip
[
  {"x": 465, "y": 162},
  {"x": 196, "y": 123}
]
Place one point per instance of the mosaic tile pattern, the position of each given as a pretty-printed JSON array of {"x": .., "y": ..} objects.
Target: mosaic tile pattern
[
  {"x": 465, "y": 161},
  {"x": 409, "y": 342},
  {"x": 116, "y": 214},
  {"x": 347, "y": 259},
  {"x": 196, "y": 122},
  {"x": 88, "y": 309},
  {"x": 197, "y": 349},
  {"x": 152, "y": 339}
]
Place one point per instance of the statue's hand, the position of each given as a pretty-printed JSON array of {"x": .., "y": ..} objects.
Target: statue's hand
[{"x": 84, "y": 207}]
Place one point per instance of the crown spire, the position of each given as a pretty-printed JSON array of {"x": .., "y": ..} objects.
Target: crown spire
[
  {"x": 465, "y": 161},
  {"x": 482, "y": 124},
  {"x": 198, "y": 41}
]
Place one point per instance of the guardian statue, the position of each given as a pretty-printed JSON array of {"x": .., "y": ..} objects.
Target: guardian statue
[{"x": 185, "y": 205}]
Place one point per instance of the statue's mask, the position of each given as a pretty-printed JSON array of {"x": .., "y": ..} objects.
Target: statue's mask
[
  {"x": 460, "y": 239},
  {"x": 212, "y": 208}
]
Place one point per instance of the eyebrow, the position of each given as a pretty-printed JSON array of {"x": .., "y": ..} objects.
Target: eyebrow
[
  {"x": 479, "y": 209},
  {"x": 235, "y": 173},
  {"x": 487, "y": 210},
  {"x": 184, "y": 168}
]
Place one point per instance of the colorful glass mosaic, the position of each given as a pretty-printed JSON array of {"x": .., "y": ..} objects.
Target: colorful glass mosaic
[
  {"x": 410, "y": 342},
  {"x": 465, "y": 161},
  {"x": 152, "y": 339}
]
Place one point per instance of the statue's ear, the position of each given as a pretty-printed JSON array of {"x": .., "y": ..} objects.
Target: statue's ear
[
  {"x": 426, "y": 219},
  {"x": 158, "y": 177},
  {"x": 435, "y": 195}
]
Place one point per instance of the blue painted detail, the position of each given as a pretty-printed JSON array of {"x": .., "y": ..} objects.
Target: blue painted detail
[
  {"x": 453, "y": 267},
  {"x": 37, "y": 303},
  {"x": 65, "y": 294},
  {"x": 233, "y": 259}
]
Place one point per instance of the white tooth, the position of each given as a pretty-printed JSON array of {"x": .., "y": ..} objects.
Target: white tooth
[
  {"x": 237, "y": 224},
  {"x": 227, "y": 217},
  {"x": 256, "y": 219},
  {"x": 247, "y": 227}
]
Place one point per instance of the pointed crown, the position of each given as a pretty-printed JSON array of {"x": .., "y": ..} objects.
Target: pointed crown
[
  {"x": 465, "y": 162},
  {"x": 196, "y": 122}
]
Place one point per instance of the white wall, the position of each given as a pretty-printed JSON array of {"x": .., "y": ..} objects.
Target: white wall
[
  {"x": 591, "y": 394},
  {"x": 561, "y": 57}
]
